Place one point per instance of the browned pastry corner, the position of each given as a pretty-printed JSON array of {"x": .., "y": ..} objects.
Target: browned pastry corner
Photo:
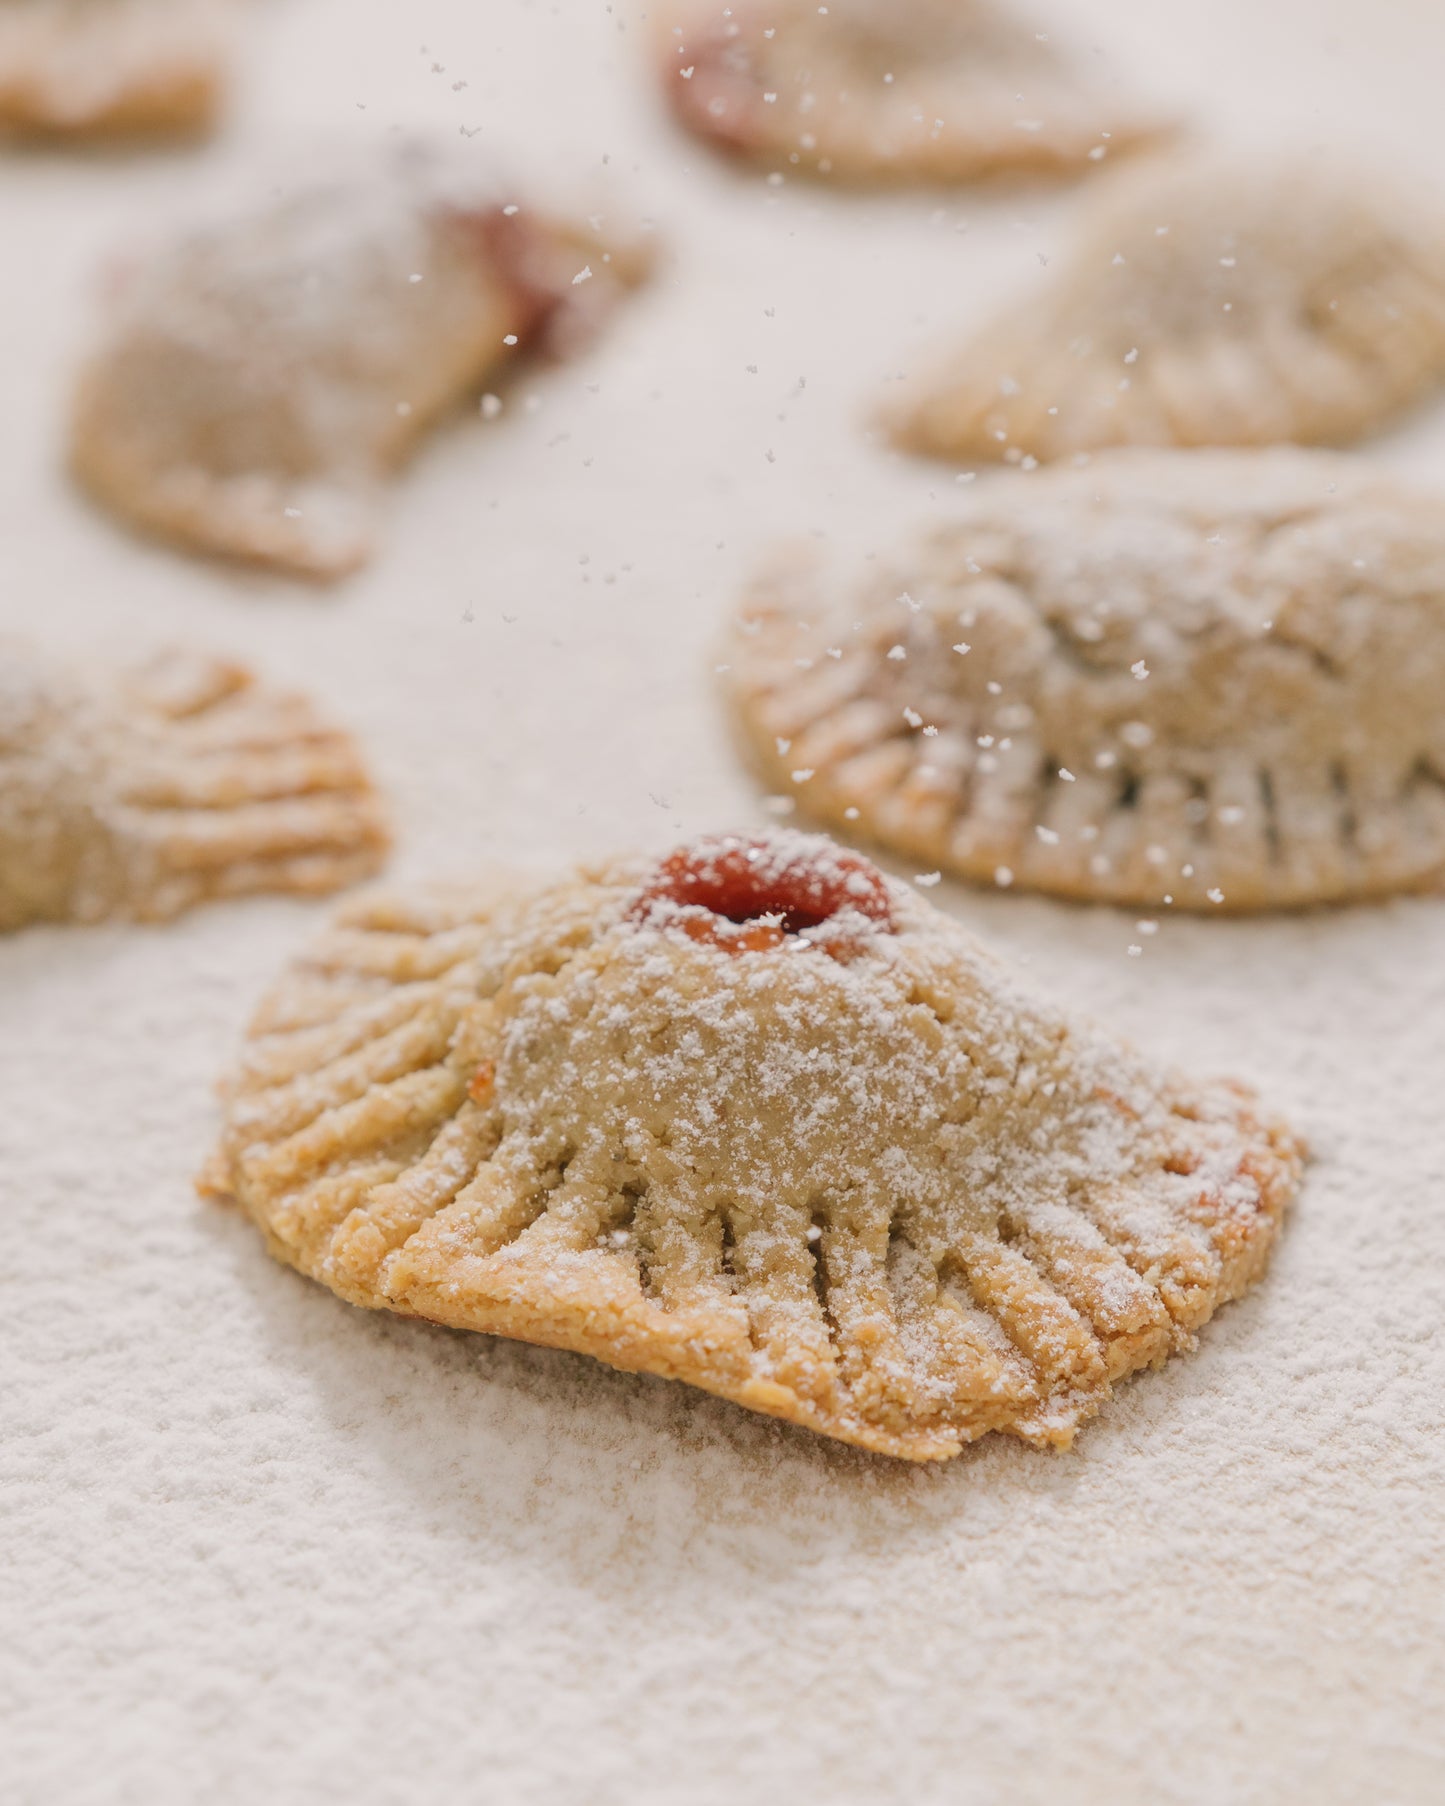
[
  {"x": 102, "y": 68},
  {"x": 138, "y": 790},
  {"x": 260, "y": 380},
  {"x": 1209, "y": 299},
  {"x": 869, "y": 91},
  {"x": 756, "y": 1118},
  {"x": 1199, "y": 680}
]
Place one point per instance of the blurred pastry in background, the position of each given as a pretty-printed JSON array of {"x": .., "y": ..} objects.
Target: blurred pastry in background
[
  {"x": 870, "y": 91},
  {"x": 127, "y": 68},
  {"x": 135, "y": 790},
  {"x": 1193, "y": 680},
  {"x": 258, "y": 380},
  {"x": 1209, "y": 300},
  {"x": 754, "y": 1117}
]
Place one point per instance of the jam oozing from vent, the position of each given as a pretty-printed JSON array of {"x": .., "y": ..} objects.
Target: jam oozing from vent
[
  {"x": 558, "y": 280},
  {"x": 751, "y": 896},
  {"x": 519, "y": 255}
]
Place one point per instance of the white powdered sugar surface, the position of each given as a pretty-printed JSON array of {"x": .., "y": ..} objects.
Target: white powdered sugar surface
[{"x": 261, "y": 1545}]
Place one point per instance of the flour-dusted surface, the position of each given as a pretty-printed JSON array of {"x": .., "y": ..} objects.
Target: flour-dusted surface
[{"x": 261, "y": 1545}]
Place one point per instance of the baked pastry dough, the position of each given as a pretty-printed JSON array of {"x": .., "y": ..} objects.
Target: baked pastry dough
[
  {"x": 1205, "y": 679},
  {"x": 753, "y": 1117},
  {"x": 138, "y": 790},
  {"x": 77, "y": 68},
  {"x": 891, "y": 90},
  {"x": 1209, "y": 300},
  {"x": 261, "y": 378}
]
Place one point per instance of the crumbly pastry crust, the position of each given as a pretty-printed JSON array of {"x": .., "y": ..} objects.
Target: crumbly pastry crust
[
  {"x": 99, "y": 68},
  {"x": 1209, "y": 300},
  {"x": 260, "y": 379},
  {"x": 870, "y": 91},
  {"x": 1205, "y": 680},
  {"x": 852, "y": 1178},
  {"x": 139, "y": 790}
]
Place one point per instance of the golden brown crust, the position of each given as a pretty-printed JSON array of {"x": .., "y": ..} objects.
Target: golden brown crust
[
  {"x": 139, "y": 790},
  {"x": 1201, "y": 680},
  {"x": 883, "y": 1196},
  {"x": 1209, "y": 300},
  {"x": 869, "y": 91},
  {"x": 77, "y": 69}
]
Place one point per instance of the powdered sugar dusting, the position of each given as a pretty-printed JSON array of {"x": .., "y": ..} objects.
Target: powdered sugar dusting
[
  {"x": 266, "y": 1546},
  {"x": 1196, "y": 680},
  {"x": 140, "y": 788},
  {"x": 746, "y": 895},
  {"x": 260, "y": 377},
  {"x": 883, "y": 1193}
]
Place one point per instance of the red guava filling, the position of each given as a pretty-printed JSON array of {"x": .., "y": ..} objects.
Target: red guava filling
[
  {"x": 720, "y": 96},
  {"x": 520, "y": 255},
  {"x": 751, "y": 896}
]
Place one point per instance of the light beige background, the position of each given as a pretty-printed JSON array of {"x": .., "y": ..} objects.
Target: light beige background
[{"x": 259, "y": 1546}]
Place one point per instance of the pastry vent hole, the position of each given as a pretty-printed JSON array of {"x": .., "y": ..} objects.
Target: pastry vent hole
[
  {"x": 940, "y": 1008},
  {"x": 550, "y": 1181},
  {"x": 1271, "y": 814},
  {"x": 728, "y": 1255},
  {"x": 626, "y": 1232},
  {"x": 1344, "y": 805},
  {"x": 1423, "y": 775},
  {"x": 1196, "y": 807},
  {"x": 1049, "y": 767},
  {"x": 554, "y": 960},
  {"x": 634, "y": 1195},
  {"x": 759, "y": 895},
  {"x": 817, "y": 1229},
  {"x": 912, "y": 1278}
]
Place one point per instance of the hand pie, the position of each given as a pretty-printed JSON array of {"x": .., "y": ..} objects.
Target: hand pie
[
  {"x": 77, "y": 68},
  {"x": 753, "y": 1117},
  {"x": 891, "y": 90},
  {"x": 260, "y": 379},
  {"x": 1205, "y": 679},
  {"x": 136, "y": 791},
  {"x": 1208, "y": 301}
]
